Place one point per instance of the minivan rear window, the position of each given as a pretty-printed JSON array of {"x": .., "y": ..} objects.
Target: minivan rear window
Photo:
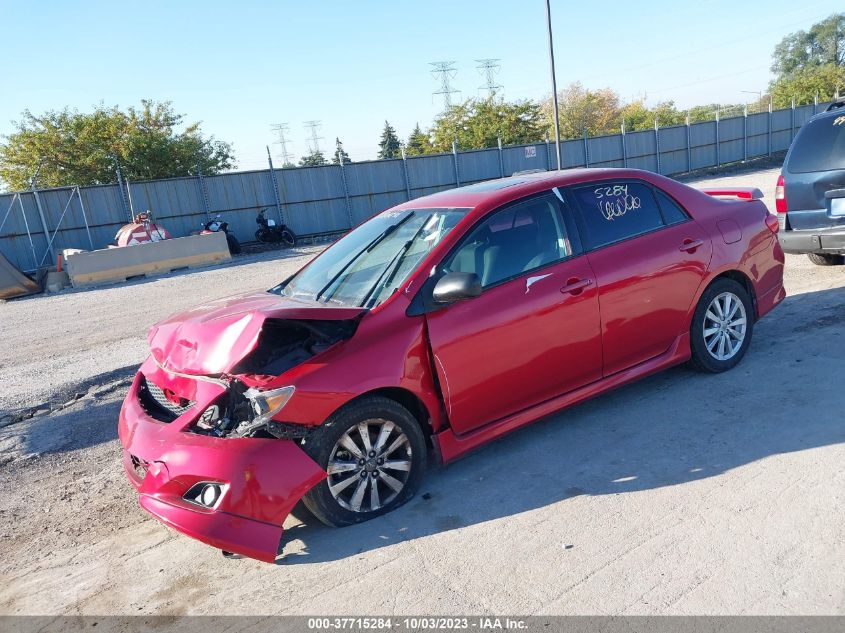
[{"x": 819, "y": 146}]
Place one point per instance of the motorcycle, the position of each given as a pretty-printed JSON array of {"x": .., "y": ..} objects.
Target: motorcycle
[
  {"x": 216, "y": 225},
  {"x": 269, "y": 231}
]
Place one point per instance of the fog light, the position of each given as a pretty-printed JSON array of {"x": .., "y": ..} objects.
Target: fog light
[
  {"x": 209, "y": 495},
  {"x": 206, "y": 494}
]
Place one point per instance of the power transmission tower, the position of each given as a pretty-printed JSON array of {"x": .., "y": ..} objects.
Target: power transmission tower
[
  {"x": 314, "y": 140},
  {"x": 446, "y": 72},
  {"x": 489, "y": 68},
  {"x": 281, "y": 130}
]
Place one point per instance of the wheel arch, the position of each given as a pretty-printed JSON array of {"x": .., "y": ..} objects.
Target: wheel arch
[
  {"x": 404, "y": 397},
  {"x": 742, "y": 279}
]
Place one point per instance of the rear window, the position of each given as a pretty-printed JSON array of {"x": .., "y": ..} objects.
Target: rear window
[{"x": 819, "y": 146}]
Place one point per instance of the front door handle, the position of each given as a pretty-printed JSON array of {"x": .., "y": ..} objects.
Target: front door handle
[
  {"x": 690, "y": 245},
  {"x": 576, "y": 286}
]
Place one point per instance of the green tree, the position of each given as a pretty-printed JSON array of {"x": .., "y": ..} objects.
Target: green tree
[
  {"x": 389, "y": 143},
  {"x": 597, "y": 111},
  {"x": 479, "y": 123},
  {"x": 80, "y": 148},
  {"x": 314, "y": 158},
  {"x": 340, "y": 153},
  {"x": 823, "y": 44},
  {"x": 824, "y": 81},
  {"x": 418, "y": 142}
]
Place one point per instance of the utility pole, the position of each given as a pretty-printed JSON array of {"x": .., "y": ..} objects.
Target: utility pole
[
  {"x": 554, "y": 82},
  {"x": 489, "y": 68},
  {"x": 281, "y": 130},
  {"x": 314, "y": 140},
  {"x": 446, "y": 72}
]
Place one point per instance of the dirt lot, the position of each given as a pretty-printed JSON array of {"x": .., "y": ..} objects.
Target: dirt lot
[{"x": 681, "y": 494}]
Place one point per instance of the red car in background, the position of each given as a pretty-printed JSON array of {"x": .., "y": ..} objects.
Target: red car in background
[{"x": 440, "y": 324}]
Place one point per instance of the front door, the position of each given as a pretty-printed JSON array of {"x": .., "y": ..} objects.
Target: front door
[{"x": 534, "y": 331}]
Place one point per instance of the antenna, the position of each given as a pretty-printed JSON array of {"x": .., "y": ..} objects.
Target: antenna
[
  {"x": 447, "y": 72},
  {"x": 314, "y": 140},
  {"x": 489, "y": 68},
  {"x": 281, "y": 130}
]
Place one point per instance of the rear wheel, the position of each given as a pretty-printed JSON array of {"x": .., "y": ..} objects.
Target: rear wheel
[
  {"x": 721, "y": 326},
  {"x": 824, "y": 259},
  {"x": 288, "y": 238},
  {"x": 374, "y": 453},
  {"x": 234, "y": 244}
]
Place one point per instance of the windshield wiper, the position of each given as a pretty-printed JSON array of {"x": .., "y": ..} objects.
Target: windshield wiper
[
  {"x": 392, "y": 268},
  {"x": 390, "y": 229}
]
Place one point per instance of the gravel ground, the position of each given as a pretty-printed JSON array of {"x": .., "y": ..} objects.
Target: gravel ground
[{"x": 683, "y": 493}]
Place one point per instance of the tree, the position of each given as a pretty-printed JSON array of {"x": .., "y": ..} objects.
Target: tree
[
  {"x": 479, "y": 123},
  {"x": 314, "y": 158},
  {"x": 824, "y": 81},
  {"x": 340, "y": 153},
  {"x": 389, "y": 143},
  {"x": 597, "y": 111},
  {"x": 418, "y": 142},
  {"x": 81, "y": 148},
  {"x": 823, "y": 44}
]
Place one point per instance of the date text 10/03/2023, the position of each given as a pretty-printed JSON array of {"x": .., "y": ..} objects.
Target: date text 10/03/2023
[{"x": 481, "y": 623}]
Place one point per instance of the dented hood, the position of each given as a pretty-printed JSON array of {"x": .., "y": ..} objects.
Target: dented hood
[{"x": 212, "y": 338}]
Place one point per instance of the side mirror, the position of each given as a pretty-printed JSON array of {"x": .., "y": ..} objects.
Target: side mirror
[{"x": 454, "y": 287}]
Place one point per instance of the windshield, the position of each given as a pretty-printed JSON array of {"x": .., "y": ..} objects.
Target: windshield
[{"x": 368, "y": 264}]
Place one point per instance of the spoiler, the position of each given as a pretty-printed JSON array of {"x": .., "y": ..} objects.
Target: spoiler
[{"x": 742, "y": 193}]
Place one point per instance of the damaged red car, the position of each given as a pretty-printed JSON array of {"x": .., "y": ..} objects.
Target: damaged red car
[{"x": 437, "y": 326}]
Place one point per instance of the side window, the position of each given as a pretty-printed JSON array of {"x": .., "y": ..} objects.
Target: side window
[
  {"x": 517, "y": 239},
  {"x": 672, "y": 211},
  {"x": 616, "y": 211}
]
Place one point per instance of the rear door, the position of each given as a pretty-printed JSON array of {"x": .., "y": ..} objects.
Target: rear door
[
  {"x": 814, "y": 174},
  {"x": 649, "y": 258},
  {"x": 533, "y": 333}
]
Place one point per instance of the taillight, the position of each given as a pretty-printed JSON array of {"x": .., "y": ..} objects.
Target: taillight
[{"x": 780, "y": 195}]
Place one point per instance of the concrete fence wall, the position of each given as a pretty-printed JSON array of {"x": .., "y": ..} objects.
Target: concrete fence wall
[{"x": 329, "y": 199}]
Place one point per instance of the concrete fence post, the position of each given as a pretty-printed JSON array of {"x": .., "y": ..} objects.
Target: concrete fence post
[
  {"x": 624, "y": 144},
  {"x": 769, "y": 130},
  {"x": 455, "y": 158},
  {"x": 405, "y": 172},
  {"x": 586, "y": 150},
  {"x": 689, "y": 145},
  {"x": 657, "y": 142},
  {"x": 745, "y": 133},
  {"x": 718, "y": 141},
  {"x": 501, "y": 158},
  {"x": 548, "y": 153},
  {"x": 792, "y": 120}
]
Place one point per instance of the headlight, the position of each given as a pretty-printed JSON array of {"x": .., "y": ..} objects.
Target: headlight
[{"x": 266, "y": 404}]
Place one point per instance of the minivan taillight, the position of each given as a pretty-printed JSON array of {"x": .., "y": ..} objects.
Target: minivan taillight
[{"x": 780, "y": 195}]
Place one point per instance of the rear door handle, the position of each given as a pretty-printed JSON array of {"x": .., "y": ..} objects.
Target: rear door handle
[
  {"x": 576, "y": 286},
  {"x": 690, "y": 245}
]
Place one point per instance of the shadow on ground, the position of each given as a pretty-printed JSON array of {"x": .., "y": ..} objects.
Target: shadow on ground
[{"x": 667, "y": 430}]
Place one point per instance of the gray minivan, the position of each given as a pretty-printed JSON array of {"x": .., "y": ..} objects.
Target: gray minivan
[{"x": 810, "y": 197}]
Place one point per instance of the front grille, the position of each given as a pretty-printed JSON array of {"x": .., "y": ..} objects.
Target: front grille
[{"x": 157, "y": 405}]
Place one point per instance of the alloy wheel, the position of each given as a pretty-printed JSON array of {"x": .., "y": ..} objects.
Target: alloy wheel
[
  {"x": 725, "y": 325},
  {"x": 369, "y": 465}
]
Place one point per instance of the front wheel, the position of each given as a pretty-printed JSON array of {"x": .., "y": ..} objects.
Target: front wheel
[
  {"x": 721, "y": 326},
  {"x": 825, "y": 259},
  {"x": 374, "y": 453}
]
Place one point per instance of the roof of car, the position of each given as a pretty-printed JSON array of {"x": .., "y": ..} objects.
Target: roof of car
[{"x": 501, "y": 190}]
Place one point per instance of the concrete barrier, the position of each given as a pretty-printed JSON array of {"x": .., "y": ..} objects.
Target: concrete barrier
[{"x": 152, "y": 258}]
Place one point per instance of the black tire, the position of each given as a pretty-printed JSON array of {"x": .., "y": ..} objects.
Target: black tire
[
  {"x": 825, "y": 259},
  {"x": 702, "y": 359},
  {"x": 288, "y": 238},
  {"x": 324, "y": 441},
  {"x": 234, "y": 244}
]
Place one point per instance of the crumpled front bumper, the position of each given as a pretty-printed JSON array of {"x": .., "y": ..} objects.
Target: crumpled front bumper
[{"x": 264, "y": 477}]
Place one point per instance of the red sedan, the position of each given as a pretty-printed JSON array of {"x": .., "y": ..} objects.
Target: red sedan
[{"x": 440, "y": 324}]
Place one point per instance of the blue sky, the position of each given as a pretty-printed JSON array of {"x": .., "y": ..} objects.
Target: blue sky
[{"x": 240, "y": 67}]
